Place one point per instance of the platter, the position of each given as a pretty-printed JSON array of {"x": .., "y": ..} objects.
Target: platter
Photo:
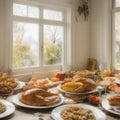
[
  {"x": 7, "y": 94},
  {"x": 56, "y": 113},
  {"x": 108, "y": 107},
  {"x": 73, "y": 93},
  {"x": 114, "y": 87},
  {"x": 10, "y": 108},
  {"x": 17, "y": 88},
  {"x": 16, "y": 101}
]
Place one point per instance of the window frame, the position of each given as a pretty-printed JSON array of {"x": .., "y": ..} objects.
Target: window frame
[
  {"x": 66, "y": 25},
  {"x": 114, "y": 10}
]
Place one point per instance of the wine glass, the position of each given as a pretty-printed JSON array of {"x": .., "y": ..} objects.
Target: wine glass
[
  {"x": 100, "y": 89},
  {"x": 101, "y": 67},
  {"x": 105, "y": 88}
]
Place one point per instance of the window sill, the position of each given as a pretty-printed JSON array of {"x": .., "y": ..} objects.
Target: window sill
[{"x": 26, "y": 74}]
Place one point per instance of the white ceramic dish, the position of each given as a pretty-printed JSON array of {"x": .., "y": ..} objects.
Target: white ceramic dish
[
  {"x": 56, "y": 113},
  {"x": 10, "y": 108},
  {"x": 73, "y": 93},
  {"x": 16, "y": 101},
  {"x": 108, "y": 107}
]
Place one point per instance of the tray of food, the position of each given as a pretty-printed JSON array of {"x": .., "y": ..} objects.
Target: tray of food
[
  {"x": 9, "y": 85},
  {"x": 79, "y": 86},
  {"x": 77, "y": 112},
  {"x": 111, "y": 103},
  {"x": 37, "y": 98},
  {"x": 6, "y": 108}
]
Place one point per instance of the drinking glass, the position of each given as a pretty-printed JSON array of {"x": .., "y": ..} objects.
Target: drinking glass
[
  {"x": 101, "y": 67},
  {"x": 100, "y": 89}
]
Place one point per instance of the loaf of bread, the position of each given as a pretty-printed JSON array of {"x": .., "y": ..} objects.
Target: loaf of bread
[{"x": 39, "y": 97}]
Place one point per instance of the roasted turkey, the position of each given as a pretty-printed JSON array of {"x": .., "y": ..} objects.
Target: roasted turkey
[{"x": 39, "y": 97}]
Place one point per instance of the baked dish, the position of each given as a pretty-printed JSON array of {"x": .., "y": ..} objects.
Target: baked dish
[
  {"x": 73, "y": 87},
  {"x": 114, "y": 87},
  {"x": 114, "y": 100},
  {"x": 2, "y": 108},
  {"x": 7, "y": 80},
  {"x": 88, "y": 83},
  {"x": 105, "y": 83},
  {"x": 83, "y": 73},
  {"x": 79, "y": 85},
  {"x": 39, "y": 83},
  {"x": 60, "y": 75},
  {"x": 77, "y": 113},
  {"x": 117, "y": 75},
  {"x": 105, "y": 73},
  {"x": 39, "y": 97},
  {"x": 5, "y": 90}
]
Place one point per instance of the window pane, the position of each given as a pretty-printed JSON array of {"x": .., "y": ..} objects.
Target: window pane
[
  {"x": 19, "y": 10},
  {"x": 117, "y": 38},
  {"x": 25, "y": 45},
  {"x": 117, "y": 3},
  {"x": 33, "y": 12},
  {"x": 52, "y": 15},
  {"x": 53, "y": 42}
]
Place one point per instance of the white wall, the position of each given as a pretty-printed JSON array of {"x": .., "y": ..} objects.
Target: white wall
[
  {"x": 100, "y": 31},
  {"x": 80, "y": 40},
  {"x": 81, "y": 46}
]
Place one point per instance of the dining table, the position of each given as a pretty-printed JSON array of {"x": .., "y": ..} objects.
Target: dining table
[{"x": 24, "y": 113}]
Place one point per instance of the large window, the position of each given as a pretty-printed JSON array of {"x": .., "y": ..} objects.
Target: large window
[
  {"x": 116, "y": 34},
  {"x": 39, "y": 36}
]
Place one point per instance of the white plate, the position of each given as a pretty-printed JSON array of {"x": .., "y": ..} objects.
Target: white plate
[
  {"x": 108, "y": 107},
  {"x": 74, "y": 93},
  {"x": 16, "y": 101},
  {"x": 56, "y": 113},
  {"x": 19, "y": 86},
  {"x": 10, "y": 108}
]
